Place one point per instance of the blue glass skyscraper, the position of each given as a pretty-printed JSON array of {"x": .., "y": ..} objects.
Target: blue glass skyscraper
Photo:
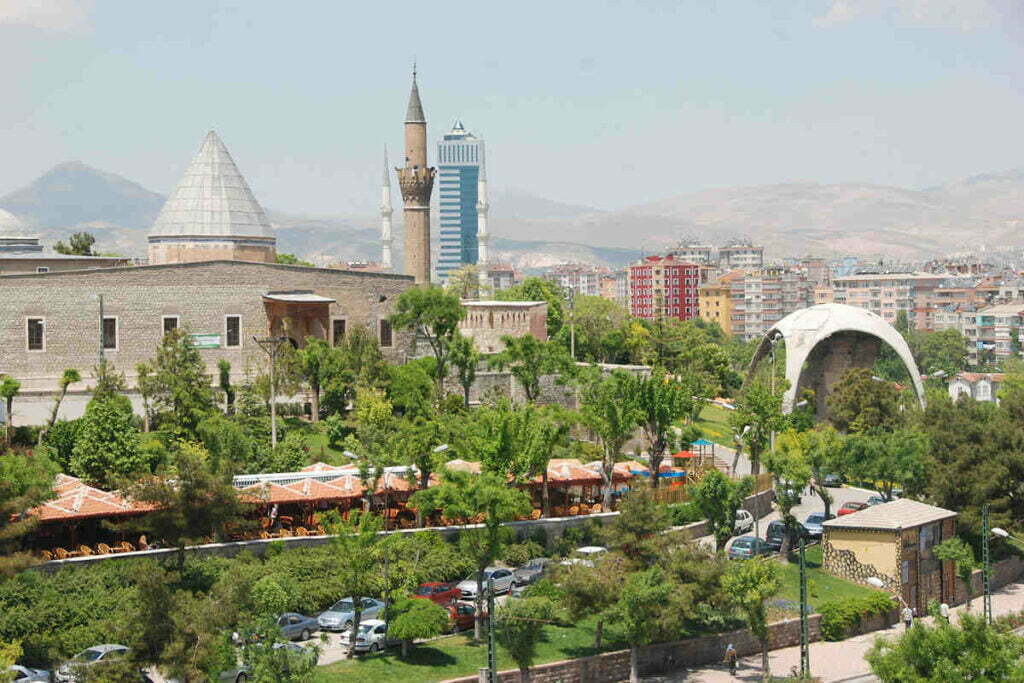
[{"x": 460, "y": 158}]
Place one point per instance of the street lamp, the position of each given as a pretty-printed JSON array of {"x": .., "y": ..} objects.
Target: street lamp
[
  {"x": 350, "y": 454},
  {"x": 805, "y": 641},
  {"x": 879, "y": 584},
  {"x": 442, "y": 448},
  {"x": 272, "y": 345}
]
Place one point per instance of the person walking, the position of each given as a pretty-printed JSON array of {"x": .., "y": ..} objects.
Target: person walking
[
  {"x": 730, "y": 658},
  {"x": 908, "y": 617}
]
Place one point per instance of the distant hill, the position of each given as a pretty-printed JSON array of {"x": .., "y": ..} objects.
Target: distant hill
[{"x": 532, "y": 232}]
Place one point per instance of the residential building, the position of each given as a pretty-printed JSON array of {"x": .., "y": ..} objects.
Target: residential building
[
  {"x": 499, "y": 276},
  {"x": 695, "y": 253},
  {"x": 575, "y": 277},
  {"x": 894, "y": 542},
  {"x": 995, "y": 333},
  {"x": 762, "y": 298},
  {"x": 663, "y": 287},
  {"x": 615, "y": 286},
  {"x": 714, "y": 300},
  {"x": 886, "y": 294},
  {"x": 740, "y": 255},
  {"x": 460, "y": 158},
  {"x": 981, "y": 386},
  {"x": 21, "y": 252}
]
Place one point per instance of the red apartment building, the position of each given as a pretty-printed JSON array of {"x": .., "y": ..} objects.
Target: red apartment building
[{"x": 662, "y": 287}]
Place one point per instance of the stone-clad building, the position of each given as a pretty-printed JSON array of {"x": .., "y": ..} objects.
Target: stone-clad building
[
  {"x": 51, "y": 321},
  {"x": 21, "y": 252}
]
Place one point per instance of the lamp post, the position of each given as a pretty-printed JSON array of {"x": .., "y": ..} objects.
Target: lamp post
[
  {"x": 774, "y": 340},
  {"x": 571, "y": 300},
  {"x": 492, "y": 652},
  {"x": 879, "y": 584},
  {"x": 272, "y": 346},
  {"x": 986, "y": 565},
  {"x": 805, "y": 645}
]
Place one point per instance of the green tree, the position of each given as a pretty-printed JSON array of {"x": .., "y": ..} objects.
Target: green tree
[
  {"x": 315, "y": 362},
  {"x": 67, "y": 378},
  {"x": 224, "y": 379},
  {"x": 416, "y": 620},
  {"x": 464, "y": 283},
  {"x": 292, "y": 260},
  {"x": 823, "y": 450},
  {"x": 411, "y": 387},
  {"x": 638, "y": 530},
  {"x": 600, "y": 328},
  {"x": 145, "y": 384},
  {"x": 791, "y": 472},
  {"x": 25, "y": 482},
  {"x": 639, "y": 609},
  {"x": 539, "y": 289},
  {"x": 465, "y": 358},
  {"x": 519, "y": 627},
  {"x": 9, "y": 388},
  {"x": 760, "y": 409},
  {"x": 959, "y": 552},
  {"x": 80, "y": 244},
  {"x": 662, "y": 400},
  {"x": 199, "y": 647},
  {"x": 591, "y": 591},
  {"x": 859, "y": 403},
  {"x": 181, "y": 386},
  {"x": 9, "y": 654},
  {"x": 968, "y": 651},
  {"x": 107, "y": 443},
  {"x": 540, "y": 434},
  {"x": 718, "y": 497},
  {"x": 609, "y": 408},
  {"x": 889, "y": 459},
  {"x": 355, "y": 550},
  {"x": 432, "y": 313},
  {"x": 529, "y": 359},
  {"x": 361, "y": 365},
  {"x": 751, "y": 584}
]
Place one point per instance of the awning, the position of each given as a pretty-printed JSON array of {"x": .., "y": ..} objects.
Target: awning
[{"x": 298, "y": 297}]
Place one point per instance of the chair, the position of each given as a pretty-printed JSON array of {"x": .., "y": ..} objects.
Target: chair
[
  {"x": 286, "y": 533},
  {"x": 143, "y": 545},
  {"x": 584, "y": 509},
  {"x": 320, "y": 531},
  {"x": 46, "y": 555},
  {"x": 127, "y": 547},
  {"x": 104, "y": 549},
  {"x": 535, "y": 514},
  {"x": 286, "y": 520},
  {"x": 574, "y": 510},
  {"x": 61, "y": 554},
  {"x": 265, "y": 534},
  {"x": 85, "y": 550},
  {"x": 597, "y": 508},
  {"x": 301, "y": 531}
]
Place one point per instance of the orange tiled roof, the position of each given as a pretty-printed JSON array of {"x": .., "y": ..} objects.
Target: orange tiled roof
[{"x": 76, "y": 500}]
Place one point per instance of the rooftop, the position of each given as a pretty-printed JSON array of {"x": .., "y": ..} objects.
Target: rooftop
[
  {"x": 1011, "y": 308},
  {"x": 503, "y": 304},
  {"x": 899, "y": 514},
  {"x": 889, "y": 276}
]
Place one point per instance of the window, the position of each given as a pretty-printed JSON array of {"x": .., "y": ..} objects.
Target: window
[
  {"x": 42, "y": 269},
  {"x": 170, "y": 323},
  {"x": 36, "y": 338},
  {"x": 110, "y": 333},
  {"x": 385, "y": 333},
  {"x": 232, "y": 330},
  {"x": 337, "y": 330}
]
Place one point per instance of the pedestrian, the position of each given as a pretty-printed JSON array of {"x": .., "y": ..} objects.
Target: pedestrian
[
  {"x": 908, "y": 617},
  {"x": 944, "y": 612},
  {"x": 730, "y": 658},
  {"x": 273, "y": 517}
]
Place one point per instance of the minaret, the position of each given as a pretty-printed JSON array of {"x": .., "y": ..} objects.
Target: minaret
[
  {"x": 385, "y": 216},
  {"x": 417, "y": 181},
  {"x": 482, "y": 236}
]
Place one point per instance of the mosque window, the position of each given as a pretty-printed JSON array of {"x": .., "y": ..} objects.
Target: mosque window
[
  {"x": 385, "y": 333},
  {"x": 36, "y": 329},
  {"x": 232, "y": 330}
]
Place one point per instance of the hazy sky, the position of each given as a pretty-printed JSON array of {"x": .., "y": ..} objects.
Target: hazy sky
[{"x": 601, "y": 103}]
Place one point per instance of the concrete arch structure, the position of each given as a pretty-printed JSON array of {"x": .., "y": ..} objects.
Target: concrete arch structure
[{"x": 824, "y": 341}]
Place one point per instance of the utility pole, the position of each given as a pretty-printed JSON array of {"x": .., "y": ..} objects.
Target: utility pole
[
  {"x": 492, "y": 655},
  {"x": 100, "y": 297},
  {"x": 986, "y": 568},
  {"x": 272, "y": 345},
  {"x": 805, "y": 646},
  {"x": 572, "y": 323}
]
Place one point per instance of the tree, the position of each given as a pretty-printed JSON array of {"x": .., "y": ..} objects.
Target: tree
[
  {"x": 224, "y": 379},
  {"x": 181, "y": 386},
  {"x": 199, "y": 646},
  {"x": 638, "y": 610},
  {"x": 823, "y": 451},
  {"x": 9, "y": 654},
  {"x": 464, "y": 283},
  {"x": 791, "y": 472},
  {"x": 609, "y": 408},
  {"x": 464, "y": 496},
  {"x": 67, "y": 378},
  {"x": 435, "y": 315},
  {"x": 416, "y": 620},
  {"x": 292, "y": 260},
  {"x": 107, "y": 443},
  {"x": 109, "y": 382},
  {"x": 600, "y": 327},
  {"x": 355, "y": 550},
  {"x": 25, "y": 482},
  {"x": 750, "y": 584},
  {"x": 960, "y": 553},
  {"x": 859, "y": 403},
  {"x": 539, "y": 289},
  {"x": 539, "y": 434},
  {"x": 315, "y": 363},
  {"x": 638, "y": 530},
  {"x": 888, "y": 458},
  {"x": 145, "y": 383},
  {"x": 661, "y": 400},
  {"x": 412, "y": 388},
  {"x": 80, "y": 244},
  {"x": 718, "y": 498},
  {"x": 968, "y": 651},
  {"x": 591, "y": 591},
  {"x": 465, "y": 358},
  {"x": 191, "y": 500},
  {"x": 760, "y": 409},
  {"x": 9, "y": 388},
  {"x": 519, "y": 627},
  {"x": 529, "y": 359}
]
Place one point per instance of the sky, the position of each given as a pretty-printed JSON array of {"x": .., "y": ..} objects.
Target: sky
[{"x": 601, "y": 103}]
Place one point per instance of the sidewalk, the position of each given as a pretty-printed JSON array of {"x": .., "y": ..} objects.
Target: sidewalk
[{"x": 838, "y": 661}]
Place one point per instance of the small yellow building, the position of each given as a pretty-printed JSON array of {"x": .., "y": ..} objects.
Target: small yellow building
[
  {"x": 894, "y": 542},
  {"x": 714, "y": 300}
]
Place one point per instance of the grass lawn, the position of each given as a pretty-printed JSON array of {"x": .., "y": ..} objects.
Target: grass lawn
[
  {"x": 821, "y": 586},
  {"x": 316, "y": 442},
  {"x": 457, "y": 656},
  {"x": 714, "y": 423}
]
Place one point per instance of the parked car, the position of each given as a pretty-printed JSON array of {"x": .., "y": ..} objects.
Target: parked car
[
  {"x": 532, "y": 571},
  {"x": 438, "y": 593},
  {"x": 501, "y": 577},
  {"x": 341, "y": 614},
  {"x": 849, "y": 507},
  {"x": 90, "y": 657},
  {"x": 295, "y": 626},
  {"x": 746, "y": 547},
  {"x": 744, "y": 522},
  {"x": 585, "y": 555},
  {"x": 461, "y": 616},
  {"x": 875, "y": 500},
  {"x": 243, "y": 672},
  {"x": 833, "y": 480},
  {"x": 814, "y": 522},
  {"x": 777, "y": 532},
  {"x": 372, "y": 636},
  {"x": 23, "y": 674}
]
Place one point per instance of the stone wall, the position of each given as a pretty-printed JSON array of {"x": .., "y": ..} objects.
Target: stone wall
[{"x": 1003, "y": 572}]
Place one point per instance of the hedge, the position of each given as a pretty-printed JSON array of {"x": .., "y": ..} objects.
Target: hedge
[{"x": 839, "y": 616}]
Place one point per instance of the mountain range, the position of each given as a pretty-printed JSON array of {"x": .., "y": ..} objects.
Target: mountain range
[{"x": 789, "y": 219}]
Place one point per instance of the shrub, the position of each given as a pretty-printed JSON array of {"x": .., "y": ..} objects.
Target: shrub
[
  {"x": 517, "y": 554},
  {"x": 336, "y": 429},
  {"x": 839, "y": 616},
  {"x": 61, "y": 440},
  {"x": 684, "y": 513}
]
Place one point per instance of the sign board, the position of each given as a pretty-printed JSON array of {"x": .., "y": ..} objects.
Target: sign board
[{"x": 204, "y": 341}]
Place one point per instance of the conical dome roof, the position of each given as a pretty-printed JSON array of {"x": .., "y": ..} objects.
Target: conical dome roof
[
  {"x": 212, "y": 200},
  {"x": 414, "y": 112}
]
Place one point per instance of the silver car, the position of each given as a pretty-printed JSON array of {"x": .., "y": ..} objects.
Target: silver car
[
  {"x": 342, "y": 613},
  {"x": 295, "y": 626},
  {"x": 501, "y": 578},
  {"x": 531, "y": 572},
  {"x": 23, "y": 674},
  {"x": 89, "y": 657}
]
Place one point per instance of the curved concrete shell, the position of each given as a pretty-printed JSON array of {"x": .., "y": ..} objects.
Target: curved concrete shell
[{"x": 824, "y": 341}]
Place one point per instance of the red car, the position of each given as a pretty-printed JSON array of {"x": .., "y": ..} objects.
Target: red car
[
  {"x": 851, "y": 507},
  {"x": 438, "y": 593},
  {"x": 461, "y": 616}
]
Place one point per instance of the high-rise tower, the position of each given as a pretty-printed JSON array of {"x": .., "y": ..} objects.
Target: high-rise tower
[
  {"x": 385, "y": 216},
  {"x": 417, "y": 181},
  {"x": 460, "y": 158}
]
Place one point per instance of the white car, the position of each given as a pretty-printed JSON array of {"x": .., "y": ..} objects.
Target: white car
[
  {"x": 96, "y": 655},
  {"x": 584, "y": 556},
  {"x": 23, "y": 674},
  {"x": 501, "y": 577},
  {"x": 744, "y": 522},
  {"x": 371, "y": 637}
]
